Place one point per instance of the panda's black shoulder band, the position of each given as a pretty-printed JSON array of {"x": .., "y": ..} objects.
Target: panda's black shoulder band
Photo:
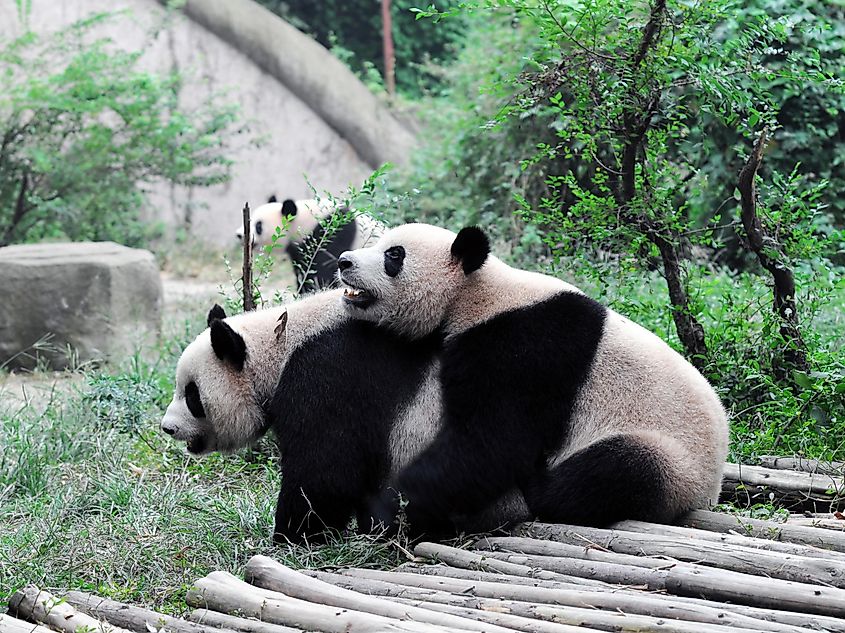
[{"x": 471, "y": 247}]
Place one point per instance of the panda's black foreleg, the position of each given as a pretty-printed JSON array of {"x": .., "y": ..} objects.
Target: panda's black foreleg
[
  {"x": 619, "y": 477},
  {"x": 309, "y": 515},
  {"x": 458, "y": 474}
]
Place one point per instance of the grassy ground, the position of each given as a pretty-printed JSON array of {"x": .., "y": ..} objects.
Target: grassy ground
[{"x": 93, "y": 497}]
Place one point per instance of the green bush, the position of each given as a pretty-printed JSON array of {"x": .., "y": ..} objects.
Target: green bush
[
  {"x": 615, "y": 163},
  {"x": 83, "y": 130}
]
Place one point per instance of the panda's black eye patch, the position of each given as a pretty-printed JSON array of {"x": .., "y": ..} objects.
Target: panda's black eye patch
[
  {"x": 192, "y": 399},
  {"x": 394, "y": 257},
  {"x": 259, "y": 227}
]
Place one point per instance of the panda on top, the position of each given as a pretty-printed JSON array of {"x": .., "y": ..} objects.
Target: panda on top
[
  {"x": 313, "y": 255},
  {"x": 352, "y": 407},
  {"x": 592, "y": 417}
]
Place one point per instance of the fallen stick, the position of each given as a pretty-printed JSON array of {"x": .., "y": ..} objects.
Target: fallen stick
[
  {"x": 8, "y": 624},
  {"x": 796, "y": 549},
  {"x": 802, "y": 464},
  {"x": 720, "y": 522},
  {"x": 723, "y": 555},
  {"x": 548, "y": 619},
  {"x": 678, "y": 579},
  {"x": 526, "y": 602},
  {"x": 442, "y": 578},
  {"x": 234, "y": 623},
  {"x": 225, "y": 593},
  {"x": 43, "y": 607},
  {"x": 266, "y": 573},
  {"x": 131, "y": 617}
]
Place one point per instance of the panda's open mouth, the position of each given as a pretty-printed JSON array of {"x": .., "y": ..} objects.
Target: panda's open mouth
[
  {"x": 197, "y": 445},
  {"x": 358, "y": 297}
]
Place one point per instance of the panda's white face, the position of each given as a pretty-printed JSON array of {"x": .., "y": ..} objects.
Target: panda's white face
[
  {"x": 406, "y": 281},
  {"x": 264, "y": 221},
  {"x": 221, "y": 380}
]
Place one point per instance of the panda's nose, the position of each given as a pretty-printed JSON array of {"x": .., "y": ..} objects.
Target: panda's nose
[
  {"x": 344, "y": 262},
  {"x": 168, "y": 430},
  {"x": 168, "y": 427}
]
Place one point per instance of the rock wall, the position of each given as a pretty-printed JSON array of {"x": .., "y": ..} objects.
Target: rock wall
[{"x": 314, "y": 117}]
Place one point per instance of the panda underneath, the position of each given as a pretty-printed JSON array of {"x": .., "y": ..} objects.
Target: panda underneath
[
  {"x": 352, "y": 407},
  {"x": 312, "y": 253},
  {"x": 593, "y": 418}
]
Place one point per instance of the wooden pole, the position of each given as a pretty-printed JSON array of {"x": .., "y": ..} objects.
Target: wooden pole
[
  {"x": 43, "y": 607},
  {"x": 455, "y": 580},
  {"x": 8, "y": 624},
  {"x": 268, "y": 574},
  {"x": 387, "y": 46},
  {"x": 583, "y": 605},
  {"x": 541, "y": 530},
  {"x": 234, "y": 623},
  {"x": 249, "y": 298},
  {"x": 223, "y": 592},
  {"x": 737, "y": 558},
  {"x": 720, "y": 522},
  {"x": 133, "y": 618}
]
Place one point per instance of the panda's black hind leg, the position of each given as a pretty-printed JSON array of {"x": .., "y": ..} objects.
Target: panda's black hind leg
[{"x": 616, "y": 478}]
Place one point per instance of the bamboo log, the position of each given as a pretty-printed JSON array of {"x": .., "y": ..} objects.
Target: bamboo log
[
  {"x": 802, "y": 464},
  {"x": 131, "y": 617},
  {"x": 43, "y": 607},
  {"x": 546, "y": 619},
  {"x": 678, "y": 579},
  {"x": 724, "y": 555},
  {"x": 785, "y": 480},
  {"x": 268, "y": 574},
  {"x": 822, "y": 523},
  {"x": 525, "y": 602},
  {"x": 223, "y": 592},
  {"x": 486, "y": 576},
  {"x": 8, "y": 624},
  {"x": 692, "y": 534},
  {"x": 440, "y": 577},
  {"x": 744, "y": 495},
  {"x": 234, "y": 623},
  {"x": 796, "y": 489},
  {"x": 719, "y": 522},
  {"x": 520, "y": 565}
]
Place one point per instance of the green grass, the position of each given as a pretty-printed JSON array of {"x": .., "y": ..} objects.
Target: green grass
[{"x": 93, "y": 497}]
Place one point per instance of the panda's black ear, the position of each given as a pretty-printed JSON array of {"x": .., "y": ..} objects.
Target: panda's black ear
[
  {"x": 272, "y": 199},
  {"x": 471, "y": 247},
  {"x": 215, "y": 314},
  {"x": 227, "y": 344},
  {"x": 289, "y": 208}
]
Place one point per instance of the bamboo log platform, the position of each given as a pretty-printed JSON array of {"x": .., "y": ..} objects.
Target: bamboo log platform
[{"x": 709, "y": 573}]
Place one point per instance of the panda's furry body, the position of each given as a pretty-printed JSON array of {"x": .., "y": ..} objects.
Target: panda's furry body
[
  {"x": 312, "y": 252},
  {"x": 593, "y": 418},
  {"x": 350, "y": 406}
]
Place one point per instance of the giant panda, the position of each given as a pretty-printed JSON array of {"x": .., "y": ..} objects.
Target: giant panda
[
  {"x": 592, "y": 417},
  {"x": 312, "y": 252},
  {"x": 352, "y": 406}
]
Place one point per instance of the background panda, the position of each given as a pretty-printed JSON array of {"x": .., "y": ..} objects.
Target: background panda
[
  {"x": 352, "y": 407},
  {"x": 592, "y": 417},
  {"x": 312, "y": 250}
]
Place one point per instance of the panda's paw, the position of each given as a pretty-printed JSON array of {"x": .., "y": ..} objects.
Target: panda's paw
[{"x": 383, "y": 515}]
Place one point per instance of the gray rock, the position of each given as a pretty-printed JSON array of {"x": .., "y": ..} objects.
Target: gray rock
[{"x": 97, "y": 300}]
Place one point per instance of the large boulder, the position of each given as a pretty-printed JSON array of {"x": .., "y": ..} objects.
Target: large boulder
[{"x": 94, "y": 300}]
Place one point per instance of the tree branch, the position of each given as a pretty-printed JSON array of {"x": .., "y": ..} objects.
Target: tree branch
[{"x": 771, "y": 256}]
